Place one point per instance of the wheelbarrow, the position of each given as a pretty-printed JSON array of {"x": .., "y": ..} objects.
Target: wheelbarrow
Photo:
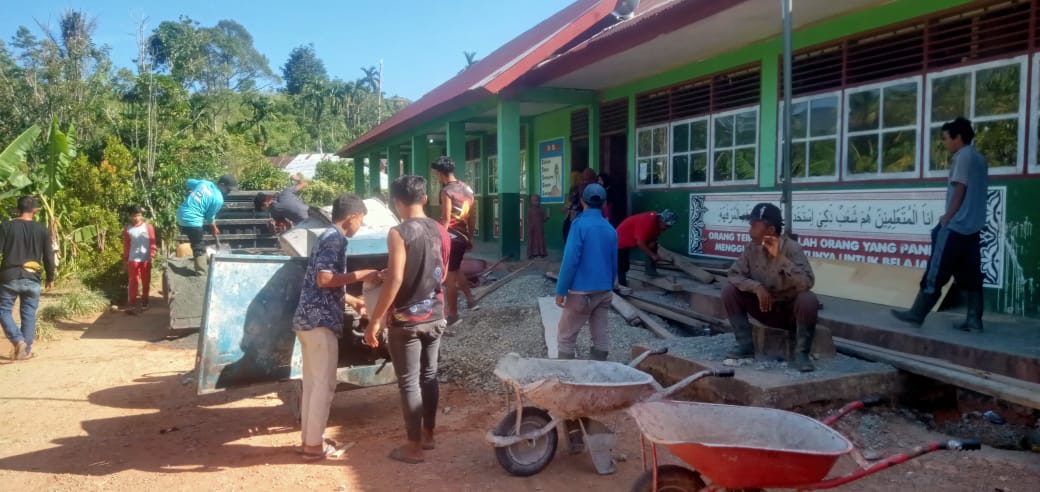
[
  {"x": 562, "y": 391},
  {"x": 750, "y": 448}
]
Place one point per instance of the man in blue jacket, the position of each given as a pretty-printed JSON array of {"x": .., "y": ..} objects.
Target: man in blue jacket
[
  {"x": 584, "y": 288},
  {"x": 200, "y": 209}
]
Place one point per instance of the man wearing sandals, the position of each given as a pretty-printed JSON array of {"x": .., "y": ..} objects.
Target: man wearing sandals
[
  {"x": 318, "y": 322},
  {"x": 419, "y": 250},
  {"x": 24, "y": 244}
]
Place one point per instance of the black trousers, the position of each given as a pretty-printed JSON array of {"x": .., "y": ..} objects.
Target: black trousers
[
  {"x": 198, "y": 246},
  {"x": 623, "y": 263},
  {"x": 953, "y": 255}
]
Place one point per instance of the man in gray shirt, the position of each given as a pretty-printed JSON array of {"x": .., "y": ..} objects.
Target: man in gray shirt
[
  {"x": 287, "y": 205},
  {"x": 956, "y": 245}
]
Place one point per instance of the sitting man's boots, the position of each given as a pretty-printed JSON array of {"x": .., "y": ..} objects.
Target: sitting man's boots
[
  {"x": 922, "y": 306},
  {"x": 566, "y": 356},
  {"x": 975, "y": 302},
  {"x": 745, "y": 347},
  {"x": 201, "y": 265},
  {"x": 596, "y": 354},
  {"x": 803, "y": 348}
]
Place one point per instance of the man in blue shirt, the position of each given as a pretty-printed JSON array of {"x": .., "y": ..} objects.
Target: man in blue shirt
[
  {"x": 318, "y": 321},
  {"x": 956, "y": 240},
  {"x": 587, "y": 276},
  {"x": 200, "y": 209}
]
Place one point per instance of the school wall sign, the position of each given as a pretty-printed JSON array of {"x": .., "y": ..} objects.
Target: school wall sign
[{"x": 888, "y": 227}]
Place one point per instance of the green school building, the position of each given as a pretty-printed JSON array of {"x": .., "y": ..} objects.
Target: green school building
[{"x": 679, "y": 102}]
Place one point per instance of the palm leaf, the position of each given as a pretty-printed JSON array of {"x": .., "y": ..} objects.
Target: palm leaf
[{"x": 12, "y": 175}]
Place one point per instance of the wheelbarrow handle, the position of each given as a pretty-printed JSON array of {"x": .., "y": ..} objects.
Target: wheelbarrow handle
[
  {"x": 962, "y": 445},
  {"x": 889, "y": 462},
  {"x": 688, "y": 380},
  {"x": 641, "y": 357}
]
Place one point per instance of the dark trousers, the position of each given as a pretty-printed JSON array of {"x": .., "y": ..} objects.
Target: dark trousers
[
  {"x": 414, "y": 351},
  {"x": 623, "y": 263},
  {"x": 198, "y": 246},
  {"x": 802, "y": 311},
  {"x": 953, "y": 255}
]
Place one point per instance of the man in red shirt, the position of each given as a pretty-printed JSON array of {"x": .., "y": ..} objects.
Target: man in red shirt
[{"x": 641, "y": 231}]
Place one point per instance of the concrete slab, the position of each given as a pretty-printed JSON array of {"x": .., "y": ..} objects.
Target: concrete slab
[
  {"x": 765, "y": 384},
  {"x": 1009, "y": 345},
  {"x": 550, "y": 323}
]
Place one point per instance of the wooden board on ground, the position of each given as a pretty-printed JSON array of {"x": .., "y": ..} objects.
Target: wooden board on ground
[
  {"x": 687, "y": 266},
  {"x": 480, "y": 293},
  {"x": 889, "y": 285},
  {"x": 550, "y": 323}
]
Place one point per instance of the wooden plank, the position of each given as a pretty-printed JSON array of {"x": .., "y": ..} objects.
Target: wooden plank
[
  {"x": 550, "y": 313},
  {"x": 625, "y": 309},
  {"x": 668, "y": 283},
  {"x": 1014, "y": 391},
  {"x": 685, "y": 265},
  {"x": 499, "y": 283},
  {"x": 654, "y": 327},
  {"x": 664, "y": 312},
  {"x": 889, "y": 285}
]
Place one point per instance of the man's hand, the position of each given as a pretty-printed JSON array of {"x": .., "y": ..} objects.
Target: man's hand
[
  {"x": 50, "y": 284},
  {"x": 561, "y": 301},
  {"x": 356, "y": 303},
  {"x": 372, "y": 333},
  {"x": 944, "y": 220},
  {"x": 216, "y": 230},
  {"x": 772, "y": 246},
  {"x": 765, "y": 299}
]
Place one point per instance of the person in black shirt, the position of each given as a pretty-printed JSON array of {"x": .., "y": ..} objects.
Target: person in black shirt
[
  {"x": 25, "y": 244},
  {"x": 413, "y": 306}
]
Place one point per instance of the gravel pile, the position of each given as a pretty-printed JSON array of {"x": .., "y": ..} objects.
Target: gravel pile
[
  {"x": 714, "y": 349},
  {"x": 509, "y": 321}
]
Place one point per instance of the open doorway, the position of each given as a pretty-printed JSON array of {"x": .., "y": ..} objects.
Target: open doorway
[{"x": 614, "y": 161}]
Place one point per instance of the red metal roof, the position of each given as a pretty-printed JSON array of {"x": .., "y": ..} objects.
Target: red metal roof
[
  {"x": 653, "y": 18},
  {"x": 496, "y": 71}
]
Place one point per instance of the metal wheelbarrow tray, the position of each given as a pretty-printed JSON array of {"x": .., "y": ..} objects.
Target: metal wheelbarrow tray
[{"x": 750, "y": 448}]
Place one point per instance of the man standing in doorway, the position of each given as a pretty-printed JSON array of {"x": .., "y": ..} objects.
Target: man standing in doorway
[
  {"x": 25, "y": 244},
  {"x": 200, "y": 209},
  {"x": 456, "y": 204},
  {"x": 956, "y": 240},
  {"x": 641, "y": 231}
]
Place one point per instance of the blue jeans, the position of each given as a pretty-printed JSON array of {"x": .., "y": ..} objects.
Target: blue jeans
[{"x": 29, "y": 292}]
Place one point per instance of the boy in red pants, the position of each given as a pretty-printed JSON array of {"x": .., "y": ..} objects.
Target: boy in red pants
[{"x": 138, "y": 252}]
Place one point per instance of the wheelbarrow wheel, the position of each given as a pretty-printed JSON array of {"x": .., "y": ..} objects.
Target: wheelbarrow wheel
[
  {"x": 670, "y": 478},
  {"x": 528, "y": 457}
]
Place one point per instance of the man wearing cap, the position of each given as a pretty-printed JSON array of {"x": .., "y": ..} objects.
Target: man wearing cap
[
  {"x": 772, "y": 281},
  {"x": 642, "y": 231},
  {"x": 584, "y": 287},
  {"x": 200, "y": 209},
  {"x": 24, "y": 244}
]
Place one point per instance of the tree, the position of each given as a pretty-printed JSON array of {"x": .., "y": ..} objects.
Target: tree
[
  {"x": 338, "y": 173},
  {"x": 370, "y": 81},
  {"x": 303, "y": 68}
]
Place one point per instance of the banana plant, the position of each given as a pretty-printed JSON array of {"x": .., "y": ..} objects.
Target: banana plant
[{"x": 13, "y": 177}]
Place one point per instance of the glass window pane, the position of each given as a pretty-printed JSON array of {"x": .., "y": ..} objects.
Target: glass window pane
[
  {"x": 900, "y": 105},
  {"x": 680, "y": 169},
  {"x": 998, "y": 141},
  {"x": 797, "y": 160},
  {"x": 823, "y": 156},
  {"x": 864, "y": 108},
  {"x": 940, "y": 158},
  {"x": 747, "y": 128},
  {"x": 660, "y": 141},
  {"x": 744, "y": 164},
  {"x": 699, "y": 168},
  {"x": 644, "y": 145},
  {"x": 951, "y": 97},
  {"x": 862, "y": 154},
  {"x": 722, "y": 168},
  {"x": 799, "y": 119},
  {"x": 899, "y": 148},
  {"x": 724, "y": 131},
  {"x": 643, "y": 169},
  {"x": 824, "y": 117},
  {"x": 681, "y": 138},
  {"x": 699, "y": 135},
  {"x": 660, "y": 170},
  {"x": 996, "y": 91}
]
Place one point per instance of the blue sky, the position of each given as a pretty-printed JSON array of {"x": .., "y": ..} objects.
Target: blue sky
[{"x": 420, "y": 41}]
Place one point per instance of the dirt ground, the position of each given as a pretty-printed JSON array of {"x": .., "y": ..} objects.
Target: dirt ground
[{"x": 104, "y": 408}]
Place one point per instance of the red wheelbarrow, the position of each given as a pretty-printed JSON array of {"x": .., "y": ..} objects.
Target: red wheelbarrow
[{"x": 750, "y": 448}]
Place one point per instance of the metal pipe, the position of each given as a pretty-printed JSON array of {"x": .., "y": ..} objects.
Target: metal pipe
[{"x": 785, "y": 6}]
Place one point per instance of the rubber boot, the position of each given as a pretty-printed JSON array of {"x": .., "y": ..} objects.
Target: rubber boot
[
  {"x": 922, "y": 306},
  {"x": 201, "y": 265},
  {"x": 803, "y": 348},
  {"x": 566, "y": 356},
  {"x": 745, "y": 347},
  {"x": 596, "y": 354},
  {"x": 973, "y": 320}
]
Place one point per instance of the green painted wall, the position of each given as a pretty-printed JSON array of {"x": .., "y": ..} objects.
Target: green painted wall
[{"x": 548, "y": 126}]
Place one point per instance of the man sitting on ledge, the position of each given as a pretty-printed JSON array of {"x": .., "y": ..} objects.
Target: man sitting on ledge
[{"x": 771, "y": 281}]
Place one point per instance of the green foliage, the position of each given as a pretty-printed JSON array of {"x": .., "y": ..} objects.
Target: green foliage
[
  {"x": 302, "y": 69},
  {"x": 74, "y": 304},
  {"x": 320, "y": 193},
  {"x": 13, "y": 178},
  {"x": 337, "y": 173},
  {"x": 263, "y": 176}
]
